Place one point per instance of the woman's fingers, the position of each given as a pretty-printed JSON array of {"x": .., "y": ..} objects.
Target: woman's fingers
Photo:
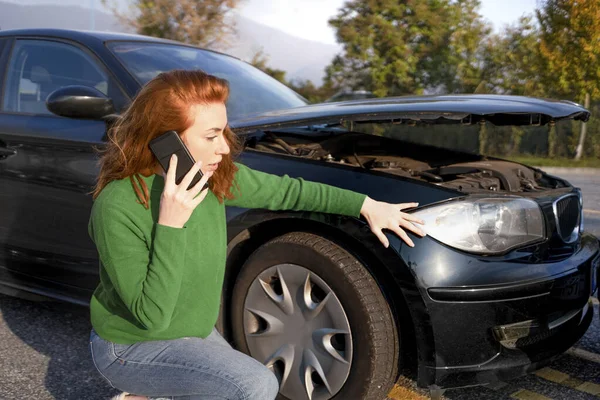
[
  {"x": 400, "y": 232},
  {"x": 170, "y": 179},
  {"x": 200, "y": 197},
  {"x": 382, "y": 216},
  {"x": 409, "y": 225},
  {"x": 412, "y": 218},
  {"x": 194, "y": 190},
  {"x": 187, "y": 179},
  {"x": 378, "y": 232},
  {"x": 403, "y": 206}
]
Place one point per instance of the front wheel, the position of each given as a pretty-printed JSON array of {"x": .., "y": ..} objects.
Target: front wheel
[{"x": 315, "y": 316}]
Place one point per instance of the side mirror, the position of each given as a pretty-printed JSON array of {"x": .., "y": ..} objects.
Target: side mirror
[{"x": 78, "y": 101}]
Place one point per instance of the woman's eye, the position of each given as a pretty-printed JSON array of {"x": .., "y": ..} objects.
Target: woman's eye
[{"x": 210, "y": 139}]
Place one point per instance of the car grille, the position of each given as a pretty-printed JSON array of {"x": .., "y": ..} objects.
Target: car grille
[{"x": 567, "y": 213}]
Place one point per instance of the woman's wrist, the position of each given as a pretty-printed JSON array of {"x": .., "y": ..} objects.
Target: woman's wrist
[
  {"x": 366, "y": 206},
  {"x": 170, "y": 225}
]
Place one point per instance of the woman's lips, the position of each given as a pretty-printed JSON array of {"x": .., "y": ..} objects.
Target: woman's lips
[{"x": 213, "y": 167}]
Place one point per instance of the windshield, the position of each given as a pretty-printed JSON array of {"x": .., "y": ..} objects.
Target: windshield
[{"x": 251, "y": 90}]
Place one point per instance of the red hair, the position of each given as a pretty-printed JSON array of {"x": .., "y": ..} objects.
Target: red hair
[{"x": 164, "y": 104}]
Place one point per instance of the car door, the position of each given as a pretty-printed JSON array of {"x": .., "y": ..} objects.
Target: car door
[{"x": 48, "y": 169}]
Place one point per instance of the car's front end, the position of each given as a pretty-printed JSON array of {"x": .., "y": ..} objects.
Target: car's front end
[
  {"x": 507, "y": 288},
  {"x": 502, "y": 282}
]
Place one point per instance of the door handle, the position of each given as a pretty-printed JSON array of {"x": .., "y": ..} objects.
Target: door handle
[{"x": 6, "y": 152}]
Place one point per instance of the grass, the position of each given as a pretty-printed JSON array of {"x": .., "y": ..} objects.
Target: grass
[{"x": 556, "y": 162}]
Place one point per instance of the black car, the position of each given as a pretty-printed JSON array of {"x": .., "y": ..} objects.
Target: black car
[{"x": 500, "y": 285}]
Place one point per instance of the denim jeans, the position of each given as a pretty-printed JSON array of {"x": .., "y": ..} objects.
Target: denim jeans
[{"x": 183, "y": 369}]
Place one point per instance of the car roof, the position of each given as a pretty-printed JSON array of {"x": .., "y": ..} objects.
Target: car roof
[{"x": 88, "y": 37}]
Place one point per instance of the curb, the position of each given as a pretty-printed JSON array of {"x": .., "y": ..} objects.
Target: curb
[
  {"x": 586, "y": 355},
  {"x": 567, "y": 170}
]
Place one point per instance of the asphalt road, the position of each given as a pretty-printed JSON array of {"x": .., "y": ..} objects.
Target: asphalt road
[
  {"x": 589, "y": 182},
  {"x": 44, "y": 350}
]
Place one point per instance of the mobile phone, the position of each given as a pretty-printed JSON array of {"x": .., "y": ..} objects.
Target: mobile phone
[{"x": 169, "y": 143}]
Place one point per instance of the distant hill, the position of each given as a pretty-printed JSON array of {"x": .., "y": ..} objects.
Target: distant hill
[
  {"x": 17, "y": 16},
  {"x": 300, "y": 58}
]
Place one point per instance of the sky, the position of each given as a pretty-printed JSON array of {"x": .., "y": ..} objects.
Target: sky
[{"x": 308, "y": 18}]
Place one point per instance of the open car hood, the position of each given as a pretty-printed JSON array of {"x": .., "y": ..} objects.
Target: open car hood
[{"x": 457, "y": 109}]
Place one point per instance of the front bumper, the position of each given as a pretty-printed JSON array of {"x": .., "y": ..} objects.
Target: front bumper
[
  {"x": 527, "y": 357},
  {"x": 493, "y": 332}
]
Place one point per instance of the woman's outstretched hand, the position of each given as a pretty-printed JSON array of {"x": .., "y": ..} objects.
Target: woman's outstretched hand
[{"x": 382, "y": 215}]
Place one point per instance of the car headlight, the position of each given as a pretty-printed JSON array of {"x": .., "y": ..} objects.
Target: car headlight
[{"x": 486, "y": 225}]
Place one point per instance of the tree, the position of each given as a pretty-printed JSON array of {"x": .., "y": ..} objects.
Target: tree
[
  {"x": 199, "y": 22},
  {"x": 394, "y": 47},
  {"x": 260, "y": 59},
  {"x": 303, "y": 87},
  {"x": 310, "y": 92},
  {"x": 570, "y": 44},
  {"x": 511, "y": 62},
  {"x": 457, "y": 66}
]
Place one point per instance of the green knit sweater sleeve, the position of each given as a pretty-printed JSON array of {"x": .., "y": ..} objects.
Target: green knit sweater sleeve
[
  {"x": 145, "y": 272},
  {"x": 256, "y": 189}
]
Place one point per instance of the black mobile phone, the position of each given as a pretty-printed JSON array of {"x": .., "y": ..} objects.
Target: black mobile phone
[{"x": 169, "y": 143}]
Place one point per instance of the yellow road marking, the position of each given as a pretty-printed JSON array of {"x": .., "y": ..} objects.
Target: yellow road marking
[
  {"x": 573, "y": 383},
  {"x": 524, "y": 394},
  {"x": 590, "y": 388},
  {"x": 594, "y": 212},
  {"x": 552, "y": 375},
  {"x": 555, "y": 376}
]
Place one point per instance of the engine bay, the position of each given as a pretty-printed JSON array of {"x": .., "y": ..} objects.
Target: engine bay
[{"x": 465, "y": 172}]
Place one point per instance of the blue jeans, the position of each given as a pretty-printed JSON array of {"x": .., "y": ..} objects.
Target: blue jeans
[{"x": 183, "y": 369}]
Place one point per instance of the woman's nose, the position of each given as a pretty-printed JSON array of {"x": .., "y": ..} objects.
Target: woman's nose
[{"x": 224, "y": 148}]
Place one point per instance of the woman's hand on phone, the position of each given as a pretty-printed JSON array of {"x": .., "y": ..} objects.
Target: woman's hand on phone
[{"x": 177, "y": 202}]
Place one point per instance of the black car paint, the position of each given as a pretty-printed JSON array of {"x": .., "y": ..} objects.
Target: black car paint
[
  {"x": 499, "y": 110},
  {"x": 54, "y": 168},
  {"x": 80, "y": 102}
]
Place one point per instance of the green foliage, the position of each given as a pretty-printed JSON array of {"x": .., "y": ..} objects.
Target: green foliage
[
  {"x": 570, "y": 49},
  {"x": 310, "y": 92},
  {"x": 512, "y": 62},
  {"x": 395, "y": 47},
  {"x": 555, "y": 162},
  {"x": 570, "y": 45},
  {"x": 457, "y": 67}
]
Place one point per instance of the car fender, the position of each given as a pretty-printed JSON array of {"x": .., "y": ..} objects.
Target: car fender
[{"x": 248, "y": 229}]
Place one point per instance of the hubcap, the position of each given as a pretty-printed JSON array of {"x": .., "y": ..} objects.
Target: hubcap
[{"x": 296, "y": 326}]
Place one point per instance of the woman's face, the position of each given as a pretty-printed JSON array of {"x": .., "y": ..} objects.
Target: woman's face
[{"x": 205, "y": 139}]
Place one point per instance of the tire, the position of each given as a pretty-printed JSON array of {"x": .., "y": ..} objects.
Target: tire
[{"x": 288, "y": 331}]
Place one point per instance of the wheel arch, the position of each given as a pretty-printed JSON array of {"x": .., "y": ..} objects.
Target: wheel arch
[{"x": 345, "y": 232}]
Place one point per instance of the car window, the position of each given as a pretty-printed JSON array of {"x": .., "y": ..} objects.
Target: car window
[
  {"x": 251, "y": 90},
  {"x": 38, "y": 67}
]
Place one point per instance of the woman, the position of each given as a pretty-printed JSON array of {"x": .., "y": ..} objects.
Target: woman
[{"x": 162, "y": 248}]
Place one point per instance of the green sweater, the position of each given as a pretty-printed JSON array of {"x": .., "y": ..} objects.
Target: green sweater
[{"x": 159, "y": 282}]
